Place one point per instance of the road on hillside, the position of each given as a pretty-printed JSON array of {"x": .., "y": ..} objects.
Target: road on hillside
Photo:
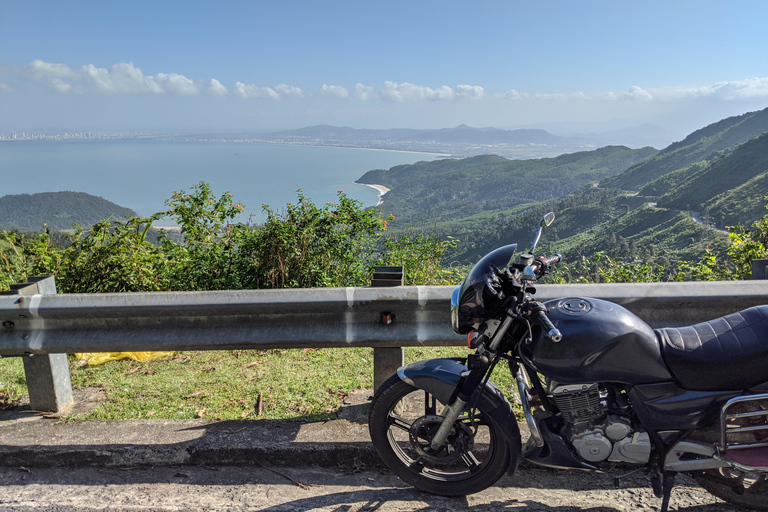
[
  {"x": 696, "y": 216},
  {"x": 291, "y": 489}
]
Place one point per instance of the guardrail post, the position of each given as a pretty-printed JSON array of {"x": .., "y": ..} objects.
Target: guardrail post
[
  {"x": 759, "y": 269},
  {"x": 48, "y": 380},
  {"x": 386, "y": 360}
]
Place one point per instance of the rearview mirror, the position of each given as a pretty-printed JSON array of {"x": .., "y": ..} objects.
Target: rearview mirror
[{"x": 545, "y": 221}]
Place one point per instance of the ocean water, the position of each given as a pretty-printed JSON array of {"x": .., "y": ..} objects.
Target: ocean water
[{"x": 142, "y": 174}]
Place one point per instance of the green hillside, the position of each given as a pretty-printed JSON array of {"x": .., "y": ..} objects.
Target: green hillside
[
  {"x": 728, "y": 188},
  {"x": 720, "y": 170},
  {"x": 741, "y": 205},
  {"x": 721, "y": 178},
  {"x": 57, "y": 210},
  {"x": 427, "y": 192},
  {"x": 703, "y": 144},
  {"x": 588, "y": 221}
]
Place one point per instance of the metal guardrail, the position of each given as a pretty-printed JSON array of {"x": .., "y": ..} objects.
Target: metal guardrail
[{"x": 387, "y": 319}]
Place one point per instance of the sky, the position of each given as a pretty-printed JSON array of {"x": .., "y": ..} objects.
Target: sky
[{"x": 258, "y": 66}]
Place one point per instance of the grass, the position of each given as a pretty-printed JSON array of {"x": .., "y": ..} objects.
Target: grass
[{"x": 307, "y": 384}]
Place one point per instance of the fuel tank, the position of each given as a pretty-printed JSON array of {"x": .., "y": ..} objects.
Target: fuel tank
[{"x": 601, "y": 341}]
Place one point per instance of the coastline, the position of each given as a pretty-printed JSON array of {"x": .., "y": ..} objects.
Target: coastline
[
  {"x": 380, "y": 188},
  {"x": 344, "y": 146}
]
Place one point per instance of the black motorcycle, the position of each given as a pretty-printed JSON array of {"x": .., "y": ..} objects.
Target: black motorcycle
[{"x": 597, "y": 387}]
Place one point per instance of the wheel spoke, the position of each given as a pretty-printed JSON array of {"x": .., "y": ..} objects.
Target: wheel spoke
[
  {"x": 399, "y": 422},
  {"x": 470, "y": 461},
  {"x": 430, "y": 404}
]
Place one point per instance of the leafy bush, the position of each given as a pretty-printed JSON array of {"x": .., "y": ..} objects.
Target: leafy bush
[
  {"x": 304, "y": 246},
  {"x": 207, "y": 260},
  {"x": 22, "y": 256},
  {"x": 602, "y": 268},
  {"x": 749, "y": 245},
  {"x": 110, "y": 258},
  {"x": 420, "y": 253}
]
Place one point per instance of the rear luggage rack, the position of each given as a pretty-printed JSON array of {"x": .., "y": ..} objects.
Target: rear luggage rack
[{"x": 744, "y": 431}]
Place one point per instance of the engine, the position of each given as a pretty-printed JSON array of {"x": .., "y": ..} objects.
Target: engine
[{"x": 597, "y": 424}]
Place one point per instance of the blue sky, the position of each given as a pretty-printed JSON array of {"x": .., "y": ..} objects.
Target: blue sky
[{"x": 253, "y": 65}]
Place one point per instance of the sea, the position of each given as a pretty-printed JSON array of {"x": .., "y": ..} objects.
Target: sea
[{"x": 142, "y": 174}]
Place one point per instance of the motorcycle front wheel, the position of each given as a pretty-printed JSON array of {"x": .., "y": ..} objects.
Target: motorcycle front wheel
[
  {"x": 403, "y": 420},
  {"x": 736, "y": 488}
]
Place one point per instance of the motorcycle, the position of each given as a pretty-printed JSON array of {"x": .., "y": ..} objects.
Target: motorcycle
[{"x": 597, "y": 386}]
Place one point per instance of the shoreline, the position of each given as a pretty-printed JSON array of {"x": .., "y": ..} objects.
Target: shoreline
[
  {"x": 343, "y": 146},
  {"x": 380, "y": 188}
]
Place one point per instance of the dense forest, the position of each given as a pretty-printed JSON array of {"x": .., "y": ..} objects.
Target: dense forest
[
  {"x": 57, "y": 211},
  {"x": 662, "y": 207},
  {"x": 450, "y": 189}
]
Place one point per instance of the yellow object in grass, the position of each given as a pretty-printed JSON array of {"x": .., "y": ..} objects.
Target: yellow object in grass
[{"x": 94, "y": 358}]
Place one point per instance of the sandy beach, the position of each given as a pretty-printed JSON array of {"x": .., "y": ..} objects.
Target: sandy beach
[{"x": 382, "y": 190}]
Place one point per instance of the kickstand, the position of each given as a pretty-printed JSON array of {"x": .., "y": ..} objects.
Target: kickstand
[{"x": 668, "y": 484}]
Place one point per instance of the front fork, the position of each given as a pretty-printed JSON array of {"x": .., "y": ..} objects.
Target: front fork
[
  {"x": 523, "y": 388},
  {"x": 470, "y": 384}
]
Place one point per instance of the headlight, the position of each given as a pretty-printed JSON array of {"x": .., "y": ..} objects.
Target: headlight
[{"x": 455, "y": 309}]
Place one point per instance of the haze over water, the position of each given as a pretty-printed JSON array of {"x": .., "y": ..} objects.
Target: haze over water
[{"x": 142, "y": 174}]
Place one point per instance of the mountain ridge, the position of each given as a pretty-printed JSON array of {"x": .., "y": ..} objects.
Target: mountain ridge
[{"x": 56, "y": 210}]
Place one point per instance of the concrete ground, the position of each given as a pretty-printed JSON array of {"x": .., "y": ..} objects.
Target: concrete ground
[{"x": 51, "y": 464}]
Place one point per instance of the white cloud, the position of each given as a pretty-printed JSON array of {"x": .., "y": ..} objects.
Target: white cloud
[
  {"x": 751, "y": 88},
  {"x": 40, "y": 70},
  {"x": 214, "y": 88},
  {"x": 253, "y": 91},
  {"x": 5, "y": 88},
  {"x": 473, "y": 92},
  {"x": 176, "y": 84},
  {"x": 335, "y": 91},
  {"x": 736, "y": 89},
  {"x": 288, "y": 90},
  {"x": 121, "y": 78},
  {"x": 636, "y": 93},
  {"x": 363, "y": 92},
  {"x": 405, "y": 91}
]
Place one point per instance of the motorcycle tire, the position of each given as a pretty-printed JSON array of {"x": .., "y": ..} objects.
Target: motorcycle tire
[
  {"x": 755, "y": 495},
  {"x": 401, "y": 421}
]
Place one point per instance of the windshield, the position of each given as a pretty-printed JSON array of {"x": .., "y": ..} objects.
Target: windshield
[
  {"x": 499, "y": 258},
  {"x": 469, "y": 304}
]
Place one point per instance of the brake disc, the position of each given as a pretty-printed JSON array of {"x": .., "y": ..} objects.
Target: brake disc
[{"x": 460, "y": 440}]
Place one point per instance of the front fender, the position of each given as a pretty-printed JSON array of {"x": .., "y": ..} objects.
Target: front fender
[{"x": 440, "y": 377}]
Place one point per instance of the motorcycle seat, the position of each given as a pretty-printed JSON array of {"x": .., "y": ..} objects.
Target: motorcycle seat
[{"x": 724, "y": 354}]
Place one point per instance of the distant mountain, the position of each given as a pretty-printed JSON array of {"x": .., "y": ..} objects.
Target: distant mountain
[
  {"x": 461, "y": 134},
  {"x": 634, "y": 136},
  {"x": 57, "y": 210},
  {"x": 327, "y": 132},
  {"x": 439, "y": 190},
  {"x": 703, "y": 144}
]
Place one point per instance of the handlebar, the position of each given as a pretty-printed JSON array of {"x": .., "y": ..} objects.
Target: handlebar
[
  {"x": 541, "y": 315},
  {"x": 542, "y": 264}
]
